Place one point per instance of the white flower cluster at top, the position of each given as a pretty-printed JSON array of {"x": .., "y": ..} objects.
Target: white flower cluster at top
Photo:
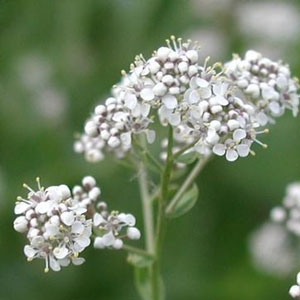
[
  {"x": 219, "y": 112},
  {"x": 58, "y": 223}
]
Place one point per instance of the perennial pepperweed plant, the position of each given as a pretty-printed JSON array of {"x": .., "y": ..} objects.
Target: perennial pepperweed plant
[{"x": 206, "y": 109}]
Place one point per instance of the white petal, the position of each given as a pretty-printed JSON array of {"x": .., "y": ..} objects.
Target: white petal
[
  {"x": 65, "y": 191},
  {"x": 29, "y": 251},
  {"x": 78, "y": 261},
  {"x": 130, "y": 101},
  {"x": 98, "y": 243},
  {"x": 54, "y": 265},
  {"x": 239, "y": 134},
  {"x": 262, "y": 118},
  {"x": 21, "y": 207},
  {"x": 147, "y": 94},
  {"x": 194, "y": 97},
  {"x": 108, "y": 239},
  {"x": 219, "y": 149},
  {"x": 42, "y": 207},
  {"x": 170, "y": 101},
  {"x": 231, "y": 155},
  {"x": 243, "y": 150},
  {"x": 77, "y": 227},
  {"x": 67, "y": 218},
  {"x": 202, "y": 82},
  {"x": 175, "y": 119},
  {"x": 274, "y": 107},
  {"x": 98, "y": 219},
  {"x": 83, "y": 241},
  {"x": 60, "y": 253},
  {"x": 128, "y": 219},
  {"x": 64, "y": 262}
]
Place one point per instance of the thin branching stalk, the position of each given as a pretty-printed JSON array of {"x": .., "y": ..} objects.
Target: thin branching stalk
[
  {"x": 147, "y": 208},
  {"x": 187, "y": 183},
  {"x": 160, "y": 226}
]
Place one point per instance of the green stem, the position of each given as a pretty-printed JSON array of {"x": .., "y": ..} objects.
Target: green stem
[
  {"x": 137, "y": 251},
  {"x": 160, "y": 226},
  {"x": 148, "y": 155},
  {"x": 147, "y": 208},
  {"x": 187, "y": 183}
]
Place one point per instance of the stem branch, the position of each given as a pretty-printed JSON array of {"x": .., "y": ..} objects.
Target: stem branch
[{"x": 187, "y": 183}]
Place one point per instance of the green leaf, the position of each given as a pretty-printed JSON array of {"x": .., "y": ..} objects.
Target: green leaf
[
  {"x": 187, "y": 158},
  {"x": 139, "y": 261},
  {"x": 142, "y": 282},
  {"x": 185, "y": 203}
]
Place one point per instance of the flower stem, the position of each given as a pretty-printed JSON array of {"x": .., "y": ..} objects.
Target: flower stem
[
  {"x": 187, "y": 183},
  {"x": 160, "y": 225},
  {"x": 147, "y": 208}
]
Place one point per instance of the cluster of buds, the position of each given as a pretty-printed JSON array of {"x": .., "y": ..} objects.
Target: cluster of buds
[
  {"x": 56, "y": 227},
  {"x": 267, "y": 83},
  {"x": 289, "y": 212},
  {"x": 113, "y": 124},
  {"x": 58, "y": 223},
  {"x": 112, "y": 227}
]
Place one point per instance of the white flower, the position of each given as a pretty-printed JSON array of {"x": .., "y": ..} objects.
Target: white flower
[
  {"x": 55, "y": 224},
  {"x": 113, "y": 227}
]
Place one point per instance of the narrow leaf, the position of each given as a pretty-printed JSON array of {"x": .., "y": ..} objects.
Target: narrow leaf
[{"x": 185, "y": 203}]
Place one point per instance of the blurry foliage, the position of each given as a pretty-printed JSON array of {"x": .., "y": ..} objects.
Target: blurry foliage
[{"x": 79, "y": 48}]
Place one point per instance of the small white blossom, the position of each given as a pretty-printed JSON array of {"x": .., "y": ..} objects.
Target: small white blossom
[{"x": 112, "y": 227}]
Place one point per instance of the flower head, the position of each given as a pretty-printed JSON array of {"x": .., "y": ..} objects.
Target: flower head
[{"x": 55, "y": 225}]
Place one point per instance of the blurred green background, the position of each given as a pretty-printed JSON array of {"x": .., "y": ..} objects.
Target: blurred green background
[{"x": 57, "y": 59}]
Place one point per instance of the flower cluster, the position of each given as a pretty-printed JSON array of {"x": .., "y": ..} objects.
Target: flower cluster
[
  {"x": 267, "y": 83},
  {"x": 112, "y": 227},
  {"x": 220, "y": 112},
  {"x": 55, "y": 225},
  {"x": 58, "y": 223},
  {"x": 289, "y": 212}
]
